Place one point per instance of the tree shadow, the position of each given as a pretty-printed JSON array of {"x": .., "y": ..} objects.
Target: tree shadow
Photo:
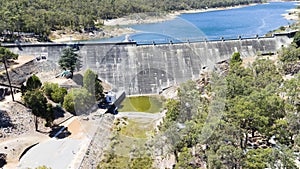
[
  {"x": 58, "y": 112},
  {"x": 20, "y": 103},
  {"x": 5, "y": 120},
  {"x": 103, "y": 105},
  {"x": 78, "y": 79},
  {"x": 59, "y": 132},
  {"x": 2, "y": 160},
  {"x": 42, "y": 132}
]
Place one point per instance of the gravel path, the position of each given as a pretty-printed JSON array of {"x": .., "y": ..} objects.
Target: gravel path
[{"x": 139, "y": 115}]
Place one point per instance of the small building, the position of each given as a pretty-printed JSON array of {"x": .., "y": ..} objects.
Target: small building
[{"x": 110, "y": 97}]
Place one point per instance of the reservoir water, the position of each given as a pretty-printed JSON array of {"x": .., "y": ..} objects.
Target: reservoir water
[{"x": 246, "y": 22}]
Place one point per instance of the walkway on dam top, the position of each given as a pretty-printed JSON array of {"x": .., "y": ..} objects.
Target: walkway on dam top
[{"x": 154, "y": 41}]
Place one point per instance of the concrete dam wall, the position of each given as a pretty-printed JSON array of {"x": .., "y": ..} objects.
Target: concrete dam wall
[{"x": 147, "y": 69}]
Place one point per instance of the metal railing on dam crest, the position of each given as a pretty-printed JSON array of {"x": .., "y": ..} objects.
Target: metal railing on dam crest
[{"x": 148, "y": 68}]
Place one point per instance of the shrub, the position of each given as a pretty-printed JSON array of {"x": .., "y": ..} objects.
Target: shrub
[
  {"x": 289, "y": 54},
  {"x": 78, "y": 101},
  {"x": 54, "y": 92},
  {"x": 297, "y": 39},
  {"x": 92, "y": 84},
  {"x": 69, "y": 102},
  {"x": 49, "y": 88},
  {"x": 33, "y": 82},
  {"x": 235, "y": 59},
  {"x": 58, "y": 95}
]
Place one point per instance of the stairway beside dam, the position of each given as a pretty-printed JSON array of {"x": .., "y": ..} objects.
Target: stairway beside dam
[{"x": 147, "y": 69}]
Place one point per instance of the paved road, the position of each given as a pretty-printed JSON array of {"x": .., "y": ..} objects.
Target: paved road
[{"x": 57, "y": 154}]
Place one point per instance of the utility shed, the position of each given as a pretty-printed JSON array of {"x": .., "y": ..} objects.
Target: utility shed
[{"x": 110, "y": 97}]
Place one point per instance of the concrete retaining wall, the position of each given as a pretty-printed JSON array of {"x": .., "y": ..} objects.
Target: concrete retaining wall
[{"x": 120, "y": 97}]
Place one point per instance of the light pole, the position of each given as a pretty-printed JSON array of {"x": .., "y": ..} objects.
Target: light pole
[{"x": 7, "y": 75}]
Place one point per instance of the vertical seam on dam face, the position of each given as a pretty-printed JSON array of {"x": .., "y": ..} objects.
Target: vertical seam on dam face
[{"x": 147, "y": 69}]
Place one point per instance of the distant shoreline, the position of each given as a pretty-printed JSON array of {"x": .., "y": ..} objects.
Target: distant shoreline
[
  {"x": 128, "y": 20},
  {"x": 292, "y": 14},
  {"x": 117, "y": 27}
]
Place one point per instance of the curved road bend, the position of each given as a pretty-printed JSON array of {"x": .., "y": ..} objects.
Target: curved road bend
[{"x": 64, "y": 153}]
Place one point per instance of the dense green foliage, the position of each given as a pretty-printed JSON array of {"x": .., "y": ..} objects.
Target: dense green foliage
[
  {"x": 297, "y": 39},
  {"x": 292, "y": 52},
  {"x": 185, "y": 160},
  {"x": 33, "y": 83},
  {"x": 141, "y": 162},
  {"x": 69, "y": 60},
  {"x": 78, "y": 101},
  {"x": 36, "y": 101},
  {"x": 120, "y": 162},
  {"x": 235, "y": 59},
  {"x": 58, "y": 95},
  {"x": 48, "y": 88},
  {"x": 92, "y": 84},
  {"x": 54, "y": 92},
  {"x": 7, "y": 54},
  {"x": 42, "y": 16},
  {"x": 290, "y": 56},
  {"x": 258, "y": 106}
]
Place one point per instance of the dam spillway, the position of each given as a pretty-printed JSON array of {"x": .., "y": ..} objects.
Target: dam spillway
[{"x": 147, "y": 69}]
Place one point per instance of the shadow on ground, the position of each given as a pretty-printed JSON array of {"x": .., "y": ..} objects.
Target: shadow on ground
[
  {"x": 78, "y": 79},
  {"x": 58, "y": 112},
  {"x": 5, "y": 120},
  {"x": 64, "y": 133},
  {"x": 27, "y": 149},
  {"x": 2, "y": 160}
]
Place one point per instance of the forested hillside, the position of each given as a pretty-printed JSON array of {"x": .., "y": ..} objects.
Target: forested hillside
[
  {"x": 247, "y": 116},
  {"x": 41, "y": 16}
]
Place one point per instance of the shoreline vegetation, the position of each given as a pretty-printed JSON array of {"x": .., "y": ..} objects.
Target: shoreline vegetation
[{"x": 117, "y": 27}]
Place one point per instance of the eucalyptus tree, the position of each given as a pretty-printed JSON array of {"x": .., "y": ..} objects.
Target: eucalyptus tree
[
  {"x": 92, "y": 84},
  {"x": 37, "y": 102},
  {"x": 7, "y": 55}
]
